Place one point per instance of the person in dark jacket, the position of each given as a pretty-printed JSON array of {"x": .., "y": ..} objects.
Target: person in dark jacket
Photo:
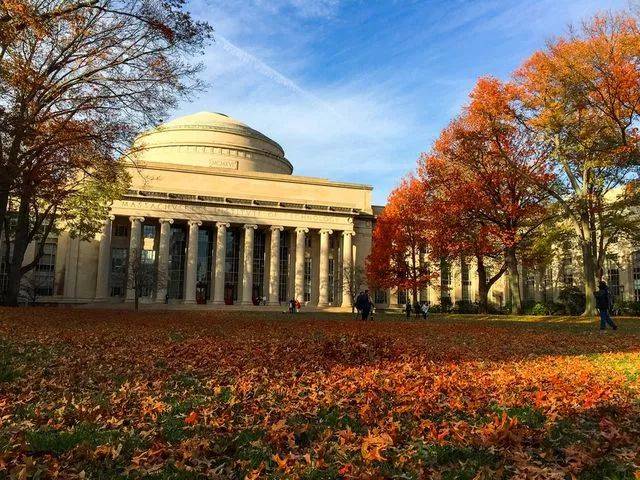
[
  {"x": 407, "y": 309},
  {"x": 367, "y": 305},
  {"x": 603, "y": 304}
]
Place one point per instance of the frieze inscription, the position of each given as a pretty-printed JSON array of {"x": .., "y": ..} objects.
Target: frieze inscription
[{"x": 224, "y": 211}]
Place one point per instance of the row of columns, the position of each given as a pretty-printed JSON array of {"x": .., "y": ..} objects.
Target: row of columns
[{"x": 191, "y": 267}]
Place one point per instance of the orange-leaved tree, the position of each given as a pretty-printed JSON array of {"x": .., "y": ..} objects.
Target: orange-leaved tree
[
  {"x": 455, "y": 231},
  {"x": 487, "y": 165},
  {"x": 581, "y": 96},
  {"x": 399, "y": 241}
]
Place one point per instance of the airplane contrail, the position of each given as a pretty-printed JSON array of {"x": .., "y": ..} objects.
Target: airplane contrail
[{"x": 271, "y": 73}]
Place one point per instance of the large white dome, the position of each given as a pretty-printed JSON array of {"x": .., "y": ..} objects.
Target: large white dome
[{"x": 212, "y": 140}]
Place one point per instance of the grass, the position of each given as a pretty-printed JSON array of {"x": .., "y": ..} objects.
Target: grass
[{"x": 316, "y": 396}]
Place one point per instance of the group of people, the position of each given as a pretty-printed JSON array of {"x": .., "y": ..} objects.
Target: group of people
[
  {"x": 365, "y": 306},
  {"x": 294, "y": 306},
  {"x": 419, "y": 309}
]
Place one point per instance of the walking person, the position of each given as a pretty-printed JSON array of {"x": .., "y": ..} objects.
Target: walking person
[
  {"x": 359, "y": 304},
  {"x": 407, "y": 309},
  {"x": 603, "y": 304},
  {"x": 425, "y": 310},
  {"x": 367, "y": 305}
]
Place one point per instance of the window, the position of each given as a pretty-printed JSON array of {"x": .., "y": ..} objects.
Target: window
[
  {"x": 566, "y": 270},
  {"x": 231, "y": 266},
  {"x": 45, "y": 270},
  {"x": 205, "y": 246},
  {"x": 118, "y": 271},
  {"x": 466, "y": 282},
  {"x": 177, "y": 246},
  {"x": 4, "y": 269},
  {"x": 380, "y": 296},
  {"x": 283, "y": 281},
  {"x": 445, "y": 279},
  {"x": 402, "y": 297},
  {"x": 259, "y": 241},
  {"x": 636, "y": 275},
  {"x": 307, "y": 279},
  {"x": 332, "y": 284},
  {"x": 307, "y": 241},
  {"x": 120, "y": 230},
  {"x": 529, "y": 285},
  {"x": 613, "y": 279}
]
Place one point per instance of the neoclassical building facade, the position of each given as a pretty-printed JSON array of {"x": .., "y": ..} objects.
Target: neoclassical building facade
[
  {"x": 215, "y": 212},
  {"x": 214, "y": 207}
]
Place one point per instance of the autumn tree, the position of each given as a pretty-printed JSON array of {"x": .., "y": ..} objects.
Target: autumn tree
[
  {"x": 582, "y": 98},
  {"x": 399, "y": 240},
  {"x": 482, "y": 164},
  {"x": 454, "y": 231},
  {"x": 78, "y": 80}
]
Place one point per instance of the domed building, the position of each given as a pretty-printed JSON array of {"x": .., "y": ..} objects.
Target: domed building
[{"x": 215, "y": 211}]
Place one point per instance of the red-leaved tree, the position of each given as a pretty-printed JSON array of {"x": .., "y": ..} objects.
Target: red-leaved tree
[
  {"x": 485, "y": 166},
  {"x": 399, "y": 240}
]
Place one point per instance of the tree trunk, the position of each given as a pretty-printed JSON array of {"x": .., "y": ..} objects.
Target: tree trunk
[
  {"x": 589, "y": 267},
  {"x": 483, "y": 290},
  {"x": 514, "y": 280},
  {"x": 20, "y": 243}
]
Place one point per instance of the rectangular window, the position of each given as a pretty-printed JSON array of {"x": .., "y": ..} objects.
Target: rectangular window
[
  {"x": 45, "y": 270},
  {"x": 529, "y": 285},
  {"x": 232, "y": 262},
  {"x": 203, "y": 278},
  {"x": 566, "y": 270},
  {"x": 4, "y": 270},
  {"x": 259, "y": 249},
  {"x": 177, "y": 247},
  {"x": 445, "y": 279},
  {"x": 283, "y": 281},
  {"x": 466, "y": 282},
  {"x": 402, "y": 297},
  {"x": 307, "y": 279},
  {"x": 120, "y": 230},
  {"x": 380, "y": 296},
  {"x": 118, "y": 271},
  {"x": 613, "y": 279}
]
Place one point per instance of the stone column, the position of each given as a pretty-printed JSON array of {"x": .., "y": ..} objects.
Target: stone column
[
  {"x": 298, "y": 288},
  {"x": 274, "y": 265},
  {"x": 247, "y": 268},
  {"x": 163, "y": 259},
  {"x": 323, "y": 297},
  {"x": 134, "y": 254},
  {"x": 347, "y": 267},
  {"x": 104, "y": 261},
  {"x": 221, "y": 256},
  {"x": 191, "y": 270}
]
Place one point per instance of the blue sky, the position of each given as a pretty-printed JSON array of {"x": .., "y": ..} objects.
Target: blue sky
[{"x": 355, "y": 90}]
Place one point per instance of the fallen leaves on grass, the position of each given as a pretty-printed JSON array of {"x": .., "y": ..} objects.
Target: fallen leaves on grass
[{"x": 250, "y": 396}]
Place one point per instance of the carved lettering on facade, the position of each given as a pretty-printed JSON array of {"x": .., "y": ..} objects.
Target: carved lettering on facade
[
  {"x": 223, "y": 211},
  {"x": 218, "y": 163}
]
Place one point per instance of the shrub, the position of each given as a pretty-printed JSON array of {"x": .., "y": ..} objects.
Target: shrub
[
  {"x": 527, "y": 306},
  {"x": 466, "y": 306},
  {"x": 621, "y": 307},
  {"x": 539, "y": 309},
  {"x": 445, "y": 304},
  {"x": 573, "y": 300}
]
